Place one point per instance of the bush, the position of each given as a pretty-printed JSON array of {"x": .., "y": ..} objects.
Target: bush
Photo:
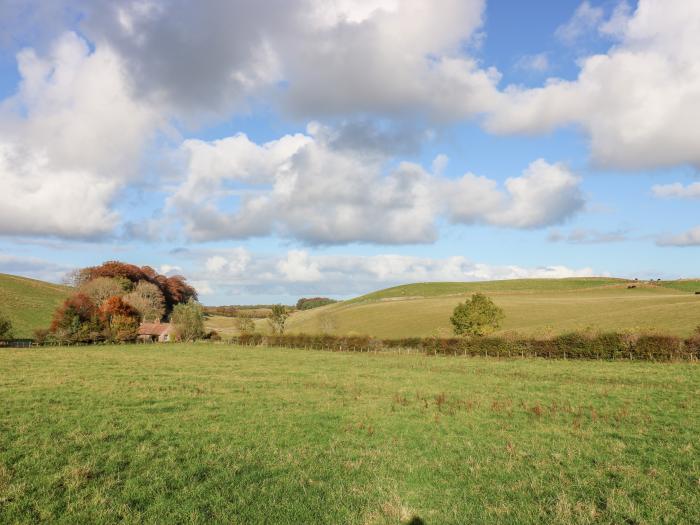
[
  {"x": 570, "y": 346},
  {"x": 77, "y": 320},
  {"x": 658, "y": 347},
  {"x": 188, "y": 321},
  {"x": 213, "y": 336},
  {"x": 476, "y": 316},
  {"x": 278, "y": 318},
  {"x": 5, "y": 327},
  {"x": 245, "y": 325},
  {"x": 314, "y": 302}
]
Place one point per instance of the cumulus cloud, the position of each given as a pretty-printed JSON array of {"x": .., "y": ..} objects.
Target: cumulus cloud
[
  {"x": 70, "y": 138},
  {"x": 306, "y": 187},
  {"x": 688, "y": 238},
  {"x": 299, "y": 272},
  {"x": 638, "y": 102},
  {"x": 338, "y": 57},
  {"x": 677, "y": 191},
  {"x": 545, "y": 194}
]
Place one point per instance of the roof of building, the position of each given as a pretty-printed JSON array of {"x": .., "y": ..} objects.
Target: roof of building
[{"x": 154, "y": 328}]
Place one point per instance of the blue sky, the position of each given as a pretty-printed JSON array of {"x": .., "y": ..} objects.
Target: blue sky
[{"x": 269, "y": 151}]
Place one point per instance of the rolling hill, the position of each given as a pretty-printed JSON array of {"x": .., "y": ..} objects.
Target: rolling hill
[
  {"x": 29, "y": 303},
  {"x": 532, "y": 306}
]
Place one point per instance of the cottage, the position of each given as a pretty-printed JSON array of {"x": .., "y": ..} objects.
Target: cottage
[{"x": 152, "y": 332}]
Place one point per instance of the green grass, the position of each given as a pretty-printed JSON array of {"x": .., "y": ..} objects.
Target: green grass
[
  {"x": 684, "y": 285},
  {"x": 221, "y": 434},
  {"x": 532, "y": 307},
  {"x": 29, "y": 303},
  {"x": 227, "y": 326},
  {"x": 434, "y": 289}
]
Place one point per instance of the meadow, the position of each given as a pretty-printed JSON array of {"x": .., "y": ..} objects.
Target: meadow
[
  {"x": 29, "y": 303},
  {"x": 538, "y": 308},
  {"x": 212, "y": 433}
]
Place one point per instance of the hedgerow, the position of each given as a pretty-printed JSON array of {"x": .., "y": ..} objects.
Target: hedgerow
[{"x": 608, "y": 346}]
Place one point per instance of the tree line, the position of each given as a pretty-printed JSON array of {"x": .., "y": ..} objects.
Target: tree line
[{"x": 112, "y": 300}]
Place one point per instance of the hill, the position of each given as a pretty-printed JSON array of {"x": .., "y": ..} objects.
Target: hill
[
  {"x": 532, "y": 306},
  {"x": 29, "y": 303}
]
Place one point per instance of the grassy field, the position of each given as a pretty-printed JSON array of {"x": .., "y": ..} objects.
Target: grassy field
[
  {"x": 29, "y": 303},
  {"x": 532, "y": 307},
  {"x": 225, "y": 325},
  {"x": 220, "y": 434}
]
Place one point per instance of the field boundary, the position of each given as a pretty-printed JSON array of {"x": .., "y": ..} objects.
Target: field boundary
[{"x": 608, "y": 346}]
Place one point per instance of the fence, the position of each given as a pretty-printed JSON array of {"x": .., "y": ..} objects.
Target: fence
[{"x": 16, "y": 343}]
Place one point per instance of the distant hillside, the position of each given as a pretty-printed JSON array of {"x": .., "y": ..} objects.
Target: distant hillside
[
  {"x": 532, "y": 306},
  {"x": 435, "y": 289},
  {"x": 29, "y": 303}
]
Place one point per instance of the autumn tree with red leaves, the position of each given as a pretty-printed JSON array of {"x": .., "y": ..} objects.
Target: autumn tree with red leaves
[
  {"x": 175, "y": 289},
  {"x": 77, "y": 320},
  {"x": 112, "y": 299},
  {"x": 120, "y": 319}
]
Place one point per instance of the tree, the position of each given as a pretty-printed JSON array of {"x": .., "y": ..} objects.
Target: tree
[
  {"x": 102, "y": 288},
  {"x": 174, "y": 289},
  {"x": 476, "y": 316},
  {"x": 277, "y": 319},
  {"x": 245, "y": 325},
  {"x": 188, "y": 320},
  {"x": 5, "y": 327},
  {"x": 121, "y": 320},
  {"x": 148, "y": 300},
  {"x": 306, "y": 303},
  {"x": 77, "y": 320}
]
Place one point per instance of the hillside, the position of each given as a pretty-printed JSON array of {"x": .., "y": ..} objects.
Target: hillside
[
  {"x": 532, "y": 306},
  {"x": 29, "y": 303}
]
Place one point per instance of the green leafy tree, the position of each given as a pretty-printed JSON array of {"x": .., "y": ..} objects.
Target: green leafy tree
[
  {"x": 478, "y": 315},
  {"x": 277, "y": 318},
  {"x": 188, "y": 320},
  {"x": 5, "y": 327}
]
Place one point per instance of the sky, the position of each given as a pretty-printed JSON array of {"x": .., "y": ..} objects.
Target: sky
[{"x": 269, "y": 150}]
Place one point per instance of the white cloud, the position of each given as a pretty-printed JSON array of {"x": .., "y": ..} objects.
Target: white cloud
[
  {"x": 307, "y": 188},
  {"x": 69, "y": 140},
  {"x": 299, "y": 267},
  {"x": 587, "y": 236},
  {"x": 33, "y": 267},
  {"x": 538, "y": 63},
  {"x": 639, "y": 102},
  {"x": 298, "y": 272},
  {"x": 235, "y": 262},
  {"x": 169, "y": 269},
  {"x": 585, "y": 19},
  {"x": 677, "y": 190},
  {"x": 374, "y": 56},
  {"x": 688, "y": 238}
]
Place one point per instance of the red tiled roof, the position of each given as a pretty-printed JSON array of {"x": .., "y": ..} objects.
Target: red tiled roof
[{"x": 154, "y": 328}]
